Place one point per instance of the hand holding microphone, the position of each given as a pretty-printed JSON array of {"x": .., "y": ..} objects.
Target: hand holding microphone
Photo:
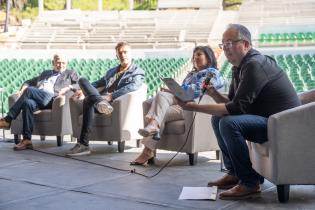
[{"x": 207, "y": 83}]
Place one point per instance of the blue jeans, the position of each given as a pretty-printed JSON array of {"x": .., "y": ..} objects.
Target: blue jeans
[
  {"x": 232, "y": 131},
  {"x": 30, "y": 101}
]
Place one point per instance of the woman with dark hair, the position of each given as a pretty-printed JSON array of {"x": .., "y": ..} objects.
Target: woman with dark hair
[{"x": 204, "y": 63}]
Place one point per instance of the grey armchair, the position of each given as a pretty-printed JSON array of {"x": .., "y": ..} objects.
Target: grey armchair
[
  {"x": 47, "y": 122},
  {"x": 201, "y": 137},
  {"x": 122, "y": 125},
  {"x": 287, "y": 157}
]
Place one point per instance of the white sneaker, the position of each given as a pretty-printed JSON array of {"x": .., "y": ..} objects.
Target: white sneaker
[
  {"x": 104, "y": 107},
  {"x": 78, "y": 150}
]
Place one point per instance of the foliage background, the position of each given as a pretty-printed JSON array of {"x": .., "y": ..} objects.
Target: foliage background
[{"x": 28, "y": 9}]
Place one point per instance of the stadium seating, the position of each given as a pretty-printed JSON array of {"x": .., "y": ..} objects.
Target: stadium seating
[
  {"x": 188, "y": 4},
  {"x": 14, "y": 72},
  {"x": 300, "y": 68},
  {"x": 142, "y": 29},
  {"x": 270, "y": 12},
  {"x": 299, "y": 38}
]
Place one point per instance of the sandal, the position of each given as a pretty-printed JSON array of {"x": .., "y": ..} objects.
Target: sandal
[
  {"x": 149, "y": 130},
  {"x": 147, "y": 156}
]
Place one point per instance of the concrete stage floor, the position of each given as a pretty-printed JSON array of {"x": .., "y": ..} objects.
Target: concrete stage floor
[{"x": 35, "y": 180}]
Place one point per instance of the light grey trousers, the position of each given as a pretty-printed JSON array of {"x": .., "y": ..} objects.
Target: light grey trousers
[{"x": 164, "y": 108}]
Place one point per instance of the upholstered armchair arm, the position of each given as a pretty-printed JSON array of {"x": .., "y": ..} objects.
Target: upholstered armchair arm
[
  {"x": 127, "y": 115},
  {"x": 291, "y": 142},
  {"x": 12, "y": 99},
  {"x": 58, "y": 104},
  {"x": 61, "y": 113},
  {"x": 202, "y": 128},
  {"x": 76, "y": 109},
  {"x": 76, "y": 106},
  {"x": 146, "y": 106}
]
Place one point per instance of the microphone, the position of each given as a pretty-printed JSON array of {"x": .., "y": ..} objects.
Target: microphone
[{"x": 207, "y": 82}]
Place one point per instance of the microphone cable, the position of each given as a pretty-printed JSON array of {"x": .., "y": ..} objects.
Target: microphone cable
[
  {"x": 207, "y": 81},
  {"x": 133, "y": 171},
  {"x": 179, "y": 149}
]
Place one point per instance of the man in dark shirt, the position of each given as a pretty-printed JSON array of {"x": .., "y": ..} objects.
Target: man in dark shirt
[
  {"x": 120, "y": 80},
  {"x": 259, "y": 88}
]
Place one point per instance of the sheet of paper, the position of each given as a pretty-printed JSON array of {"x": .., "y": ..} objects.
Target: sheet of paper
[{"x": 198, "y": 193}]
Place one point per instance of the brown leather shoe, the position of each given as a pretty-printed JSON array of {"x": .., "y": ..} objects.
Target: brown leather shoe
[
  {"x": 23, "y": 145},
  {"x": 226, "y": 182},
  {"x": 4, "y": 124},
  {"x": 240, "y": 192}
]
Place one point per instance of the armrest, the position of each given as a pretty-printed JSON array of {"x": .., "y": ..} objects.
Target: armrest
[
  {"x": 76, "y": 107},
  {"x": 121, "y": 101},
  {"x": 60, "y": 109},
  {"x": 128, "y": 110},
  {"x": 58, "y": 102},
  {"x": 204, "y": 138},
  {"x": 201, "y": 118},
  {"x": 12, "y": 99},
  {"x": 291, "y": 138},
  {"x": 146, "y": 106}
]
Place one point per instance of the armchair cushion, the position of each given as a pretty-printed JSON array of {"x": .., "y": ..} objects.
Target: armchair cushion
[
  {"x": 99, "y": 120},
  {"x": 43, "y": 115},
  {"x": 174, "y": 127}
]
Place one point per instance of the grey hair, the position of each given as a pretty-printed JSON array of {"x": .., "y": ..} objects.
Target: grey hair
[
  {"x": 243, "y": 32},
  {"x": 59, "y": 55}
]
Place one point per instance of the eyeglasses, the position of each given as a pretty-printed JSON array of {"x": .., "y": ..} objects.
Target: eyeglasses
[{"x": 228, "y": 44}]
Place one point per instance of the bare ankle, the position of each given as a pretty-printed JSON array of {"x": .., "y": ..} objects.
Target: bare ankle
[
  {"x": 146, "y": 150},
  {"x": 155, "y": 123}
]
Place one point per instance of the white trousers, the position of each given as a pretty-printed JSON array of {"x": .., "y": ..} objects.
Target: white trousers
[{"x": 164, "y": 108}]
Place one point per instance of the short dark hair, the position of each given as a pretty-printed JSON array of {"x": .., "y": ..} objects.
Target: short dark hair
[
  {"x": 121, "y": 44},
  {"x": 212, "y": 61},
  {"x": 243, "y": 32}
]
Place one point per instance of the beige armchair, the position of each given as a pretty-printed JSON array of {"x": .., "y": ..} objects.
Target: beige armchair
[
  {"x": 122, "y": 125},
  {"x": 201, "y": 137},
  {"x": 287, "y": 158},
  {"x": 47, "y": 122}
]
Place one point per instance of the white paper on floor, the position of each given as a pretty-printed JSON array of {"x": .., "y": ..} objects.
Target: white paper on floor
[{"x": 198, "y": 193}]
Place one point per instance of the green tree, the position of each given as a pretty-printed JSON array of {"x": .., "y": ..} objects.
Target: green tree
[
  {"x": 55, "y": 4},
  {"x": 84, "y": 4},
  {"x": 115, "y": 4},
  {"x": 16, "y": 4}
]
